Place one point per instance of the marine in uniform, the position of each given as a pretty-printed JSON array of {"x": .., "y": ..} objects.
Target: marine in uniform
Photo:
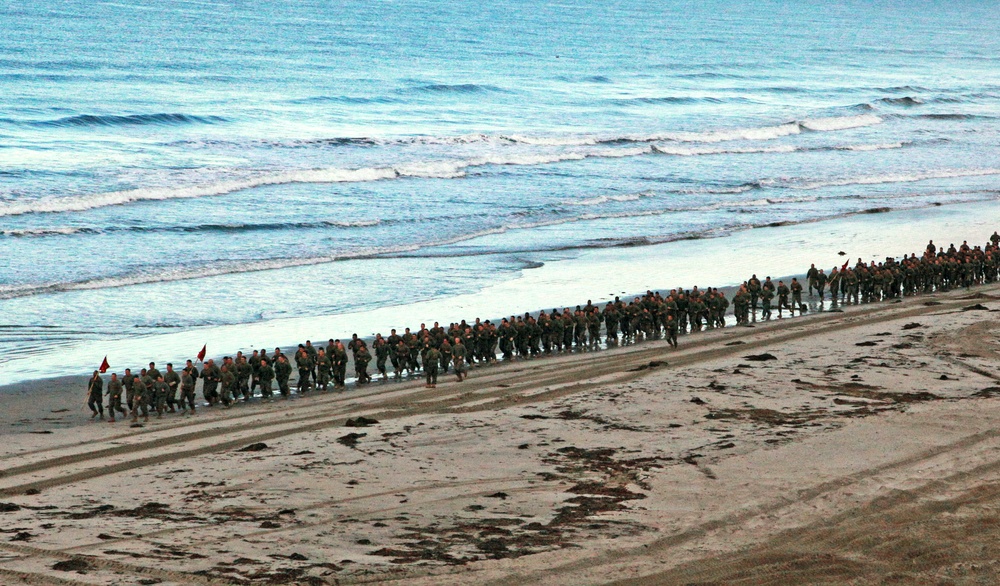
[{"x": 95, "y": 395}]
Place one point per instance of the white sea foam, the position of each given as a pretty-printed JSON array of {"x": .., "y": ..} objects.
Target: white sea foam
[
  {"x": 758, "y": 133},
  {"x": 432, "y": 169},
  {"x": 722, "y": 190},
  {"x": 769, "y": 132},
  {"x": 602, "y": 199},
  {"x": 839, "y": 122},
  {"x": 527, "y": 159},
  {"x": 871, "y": 147},
  {"x": 28, "y": 232},
  {"x": 889, "y": 178},
  {"x": 553, "y": 140},
  {"x": 473, "y": 138},
  {"x": 98, "y": 200},
  {"x": 356, "y": 223},
  {"x": 614, "y": 153},
  {"x": 681, "y": 151}
]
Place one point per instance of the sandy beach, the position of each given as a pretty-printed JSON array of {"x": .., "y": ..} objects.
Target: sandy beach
[
  {"x": 834, "y": 448},
  {"x": 201, "y": 179}
]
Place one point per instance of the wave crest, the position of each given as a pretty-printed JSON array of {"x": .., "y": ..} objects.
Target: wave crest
[
  {"x": 602, "y": 199},
  {"x": 112, "y": 120},
  {"x": 904, "y": 101},
  {"x": 839, "y": 122}
]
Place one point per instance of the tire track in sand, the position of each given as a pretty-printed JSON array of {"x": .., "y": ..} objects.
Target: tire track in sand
[{"x": 901, "y": 535}]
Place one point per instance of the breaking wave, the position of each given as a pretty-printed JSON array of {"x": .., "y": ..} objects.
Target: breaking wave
[
  {"x": 603, "y": 199},
  {"x": 839, "y": 122},
  {"x": 681, "y": 151},
  {"x": 676, "y": 144}
]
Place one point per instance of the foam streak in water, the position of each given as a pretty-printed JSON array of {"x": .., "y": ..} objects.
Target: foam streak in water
[{"x": 888, "y": 178}]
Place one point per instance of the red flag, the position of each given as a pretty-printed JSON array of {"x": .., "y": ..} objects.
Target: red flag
[
  {"x": 204, "y": 351},
  {"x": 104, "y": 366}
]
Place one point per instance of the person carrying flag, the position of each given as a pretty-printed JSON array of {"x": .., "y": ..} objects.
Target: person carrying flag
[{"x": 95, "y": 394}]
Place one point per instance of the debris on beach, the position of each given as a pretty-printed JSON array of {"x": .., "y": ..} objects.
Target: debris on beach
[
  {"x": 257, "y": 447},
  {"x": 73, "y": 565},
  {"x": 350, "y": 440},
  {"x": 651, "y": 364}
]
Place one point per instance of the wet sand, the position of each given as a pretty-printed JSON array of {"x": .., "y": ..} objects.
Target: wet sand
[{"x": 833, "y": 448}]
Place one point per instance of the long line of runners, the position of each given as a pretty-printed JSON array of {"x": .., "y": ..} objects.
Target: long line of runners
[{"x": 439, "y": 350}]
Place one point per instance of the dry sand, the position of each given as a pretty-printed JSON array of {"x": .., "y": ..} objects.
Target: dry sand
[{"x": 865, "y": 451}]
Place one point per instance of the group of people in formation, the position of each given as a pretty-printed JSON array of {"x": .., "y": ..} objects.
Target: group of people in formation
[
  {"x": 238, "y": 378},
  {"x": 934, "y": 270},
  {"x": 438, "y": 350}
]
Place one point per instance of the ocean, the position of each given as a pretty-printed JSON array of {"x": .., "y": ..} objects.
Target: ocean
[{"x": 252, "y": 174}]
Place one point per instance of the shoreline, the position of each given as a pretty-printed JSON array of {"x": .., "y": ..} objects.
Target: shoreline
[
  {"x": 58, "y": 404},
  {"x": 64, "y": 403},
  {"x": 782, "y": 250}
]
